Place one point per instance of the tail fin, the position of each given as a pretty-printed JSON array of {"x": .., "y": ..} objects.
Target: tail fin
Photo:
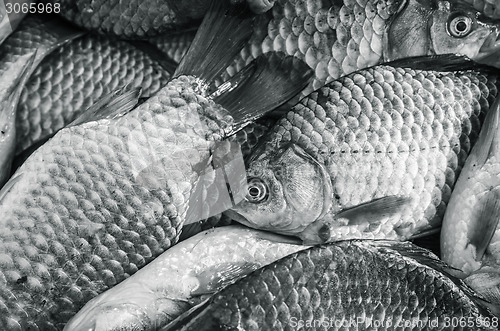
[
  {"x": 266, "y": 83},
  {"x": 222, "y": 34}
]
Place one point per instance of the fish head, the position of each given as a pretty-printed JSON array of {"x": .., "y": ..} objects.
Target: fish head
[
  {"x": 461, "y": 29},
  {"x": 286, "y": 191},
  {"x": 424, "y": 27}
]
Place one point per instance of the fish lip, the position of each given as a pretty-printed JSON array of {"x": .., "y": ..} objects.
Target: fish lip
[
  {"x": 490, "y": 46},
  {"x": 234, "y": 215}
]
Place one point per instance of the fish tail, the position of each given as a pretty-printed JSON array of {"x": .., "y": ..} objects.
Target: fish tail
[{"x": 222, "y": 34}]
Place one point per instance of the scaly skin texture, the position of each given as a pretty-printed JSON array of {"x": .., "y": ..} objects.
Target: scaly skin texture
[
  {"x": 98, "y": 201},
  {"x": 490, "y": 8},
  {"x": 161, "y": 289},
  {"x": 379, "y": 132},
  {"x": 336, "y": 38},
  {"x": 175, "y": 45},
  {"x": 73, "y": 77},
  {"x": 31, "y": 36},
  {"x": 135, "y": 19},
  {"x": 350, "y": 282}
]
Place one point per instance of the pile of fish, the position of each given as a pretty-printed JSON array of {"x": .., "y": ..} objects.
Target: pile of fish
[{"x": 250, "y": 165}]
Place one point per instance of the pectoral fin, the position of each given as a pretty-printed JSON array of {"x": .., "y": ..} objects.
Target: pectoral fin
[
  {"x": 375, "y": 210},
  {"x": 212, "y": 280},
  {"x": 485, "y": 220}
]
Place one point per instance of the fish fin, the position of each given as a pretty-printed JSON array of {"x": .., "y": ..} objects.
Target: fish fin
[
  {"x": 373, "y": 211},
  {"x": 318, "y": 232},
  {"x": 278, "y": 238},
  {"x": 486, "y": 220},
  {"x": 156, "y": 54},
  {"x": 112, "y": 105},
  {"x": 9, "y": 185},
  {"x": 222, "y": 34},
  {"x": 266, "y": 83},
  {"x": 488, "y": 141},
  {"x": 445, "y": 62},
  {"x": 218, "y": 277},
  {"x": 425, "y": 233},
  {"x": 487, "y": 284}
]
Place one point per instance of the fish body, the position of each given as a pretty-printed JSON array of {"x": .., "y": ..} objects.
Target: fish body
[
  {"x": 160, "y": 291},
  {"x": 471, "y": 211},
  {"x": 102, "y": 198},
  {"x": 470, "y": 235},
  {"x": 336, "y": 38},
  {"x": 74, "y": 76},
  {"x": 134, "y": 19},
  {"x": 374, "y": 154},
  {"x": 362, "y": 285},
  {"x": 19, "y": 55},
  {"x": 490, "y": 8}
]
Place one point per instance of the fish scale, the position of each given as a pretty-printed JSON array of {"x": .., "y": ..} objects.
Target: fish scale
[
  {"x": 89, "y": 191},
  {"x": 377, "y": 133},
  {"x": 490, "y": 8},
  {"x": 336, "y": 38},
  {"x": 329, "y": 36},
  {"x": 73, "y": 77},
  {"x": 344, "y": 285}
]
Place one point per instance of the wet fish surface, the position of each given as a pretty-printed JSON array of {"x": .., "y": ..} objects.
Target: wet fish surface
[
  {"x": 490, "y": 8},
  {"x": 74, "y": 76},
  {"x": 201, "y": 265},
  {"x": 372, "y": 155},
  {"x": 35, "y": 38},
  {"x": 104, "y": 197},
  {"x": 135, "y": 19},
  {"x": 336, "y": 38},
  {"x": 359, "y": 285},
  {"x": 470, "y": 236}
]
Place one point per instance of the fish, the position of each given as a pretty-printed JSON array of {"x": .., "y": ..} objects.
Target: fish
[
  {"x": 350, "y": 285},
  {"x": 74, "y": 76},
  {"x": 192, "y": 269},
  {"x": 470, "y": 235},
  {"x": 373, "y": 155},
  {"x": 20, "y": 53},
  {"x": 101, "y": 199},
  {"x": 134, "y": 19},
  {"x": 174, "y": 45},
  {"x": 10, "y": 18},
  {"x": 336, "y": 38},
  {"x": 490, "y": 8}
]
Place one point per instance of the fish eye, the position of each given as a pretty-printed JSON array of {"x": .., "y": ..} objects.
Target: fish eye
[
  {"x": 460, "y": 25},
  {"x": 257, "y": 190}
]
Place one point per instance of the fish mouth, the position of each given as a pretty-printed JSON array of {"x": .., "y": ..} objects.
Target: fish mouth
[
  {"x": 234, "y": 215},
  {"x": 491, "y": 45}
]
